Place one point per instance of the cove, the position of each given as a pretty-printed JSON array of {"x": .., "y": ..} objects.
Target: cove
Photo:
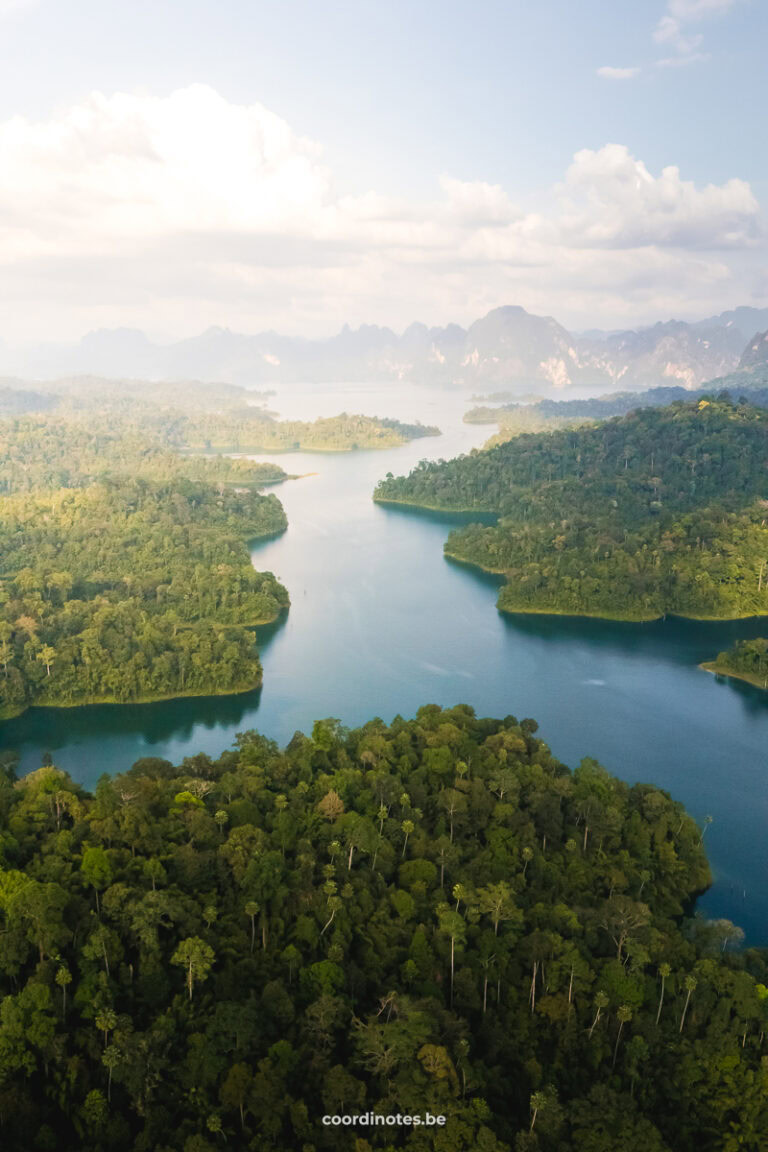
[{"x": 381, "y": 622}]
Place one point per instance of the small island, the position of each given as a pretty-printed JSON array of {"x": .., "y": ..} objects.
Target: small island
[{"x": 745, "y": 660}]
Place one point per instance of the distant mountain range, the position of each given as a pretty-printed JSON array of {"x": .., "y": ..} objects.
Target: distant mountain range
[{"x": 509, "y": 347}]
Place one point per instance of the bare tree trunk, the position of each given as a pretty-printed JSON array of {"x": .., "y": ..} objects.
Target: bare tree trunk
[
  {"x": 685, "y": 1009},
  {"x": 616, "y": 1045},
  {"x": 329, "y": 922},
  {"x": 533, "y": 985}
]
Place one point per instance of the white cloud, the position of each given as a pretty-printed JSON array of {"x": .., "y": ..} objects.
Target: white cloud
[
  {"x": 134, "y": 166},
  {"x": 178, "y": 212},
  {"x": 670, "y": 30},
  {"x": 609, "y": 73},
  {"x": 477, "y": 204},
  {"x": 610, "y": 199}
]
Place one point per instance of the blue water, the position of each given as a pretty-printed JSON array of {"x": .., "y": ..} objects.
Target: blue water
[{"x": 381, "y": 622}]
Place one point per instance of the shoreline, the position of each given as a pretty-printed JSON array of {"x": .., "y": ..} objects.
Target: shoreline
[
  {"x": 260, "y": 450},
  {"x": 529, "y": 611},
  {"x": 716, "y": 669},
  {"x": 12, "y": 713},
  {"x": 113, "y": 702},
  {"x": 434, "y": 508}
]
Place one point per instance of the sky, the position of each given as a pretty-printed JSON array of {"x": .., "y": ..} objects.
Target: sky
[{"x": 175, "y": 164}]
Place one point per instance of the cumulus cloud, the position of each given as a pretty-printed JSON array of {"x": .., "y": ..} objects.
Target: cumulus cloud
[
  {"x": 128, "y": 166},
  {"x": 177, "y": 212},
  {"x": 609, "y": 198},
  {"x": 609, "y": 73}
]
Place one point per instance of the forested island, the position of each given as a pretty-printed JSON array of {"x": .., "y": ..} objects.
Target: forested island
[
  {"x": 206, "y": 417},
  {"x": 254, "y": 430},
  {"x": 546, "y": 415},
  {"x": 124, "y": 570},
  {"x": 430, "y": 915},
  {"x": 660, "y": 511},
  {"x": 746, "y": 660}
]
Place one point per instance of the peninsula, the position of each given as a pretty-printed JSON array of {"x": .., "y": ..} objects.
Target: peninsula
[
  {"x": 661, "y": 511},
  {"x": 745, "y": 660}
]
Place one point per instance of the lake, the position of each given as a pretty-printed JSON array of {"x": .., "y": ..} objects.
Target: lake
[{"x": 381, "y": 623}]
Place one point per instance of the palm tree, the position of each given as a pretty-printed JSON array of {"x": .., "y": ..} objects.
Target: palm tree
[
  {"x": 538, "y": 1102},
  {"x": 690, "y": 984},
  {"x": 252, "y": 909},
  {"x": 105, "y": 1021},
  {"x": 624, "y": 1015},
  {"x": 601, "y": 1001},
  {"x": 453, "y": 926},
  {"x": 63, "y": 978},
  {"x": 664, "y": 971}
]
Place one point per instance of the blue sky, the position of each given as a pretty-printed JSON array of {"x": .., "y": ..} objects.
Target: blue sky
[{"x": 383, "y": 103}]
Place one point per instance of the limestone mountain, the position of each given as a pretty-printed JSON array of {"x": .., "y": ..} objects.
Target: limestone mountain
[
  {"x": 509, "y": 347},
  {"x": 756, "y": 352}
]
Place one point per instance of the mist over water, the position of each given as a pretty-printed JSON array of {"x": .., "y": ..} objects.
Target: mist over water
[{"x": 381, "y": 623}]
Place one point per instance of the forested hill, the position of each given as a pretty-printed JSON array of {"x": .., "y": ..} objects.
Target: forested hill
[
  {"x": 660, "y": 511},
  {"x": 124, "y": 570},
  {"x": 432, "y": 915}
]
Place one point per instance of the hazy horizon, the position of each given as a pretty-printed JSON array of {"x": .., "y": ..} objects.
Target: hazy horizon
[{"x": 163, "y": 339}]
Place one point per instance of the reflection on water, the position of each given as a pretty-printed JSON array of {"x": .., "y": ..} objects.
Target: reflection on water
[{"x": 381, "y": 623}]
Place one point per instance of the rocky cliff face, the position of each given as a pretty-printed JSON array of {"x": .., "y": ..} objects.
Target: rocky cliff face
[{"x": 756, "y": 352}]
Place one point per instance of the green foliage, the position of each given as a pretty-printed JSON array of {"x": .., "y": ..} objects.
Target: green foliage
[
  {"x": 253, "y": 430},
  {"x": 746, "y": 660},
  {"x": 523, "y": 967},
  {"x": 124, "y": 570},
  {"x": 661, "y": 511}
]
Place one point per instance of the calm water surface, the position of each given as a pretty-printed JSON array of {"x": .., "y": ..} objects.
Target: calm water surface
[{"x": 381, "y": 623}]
